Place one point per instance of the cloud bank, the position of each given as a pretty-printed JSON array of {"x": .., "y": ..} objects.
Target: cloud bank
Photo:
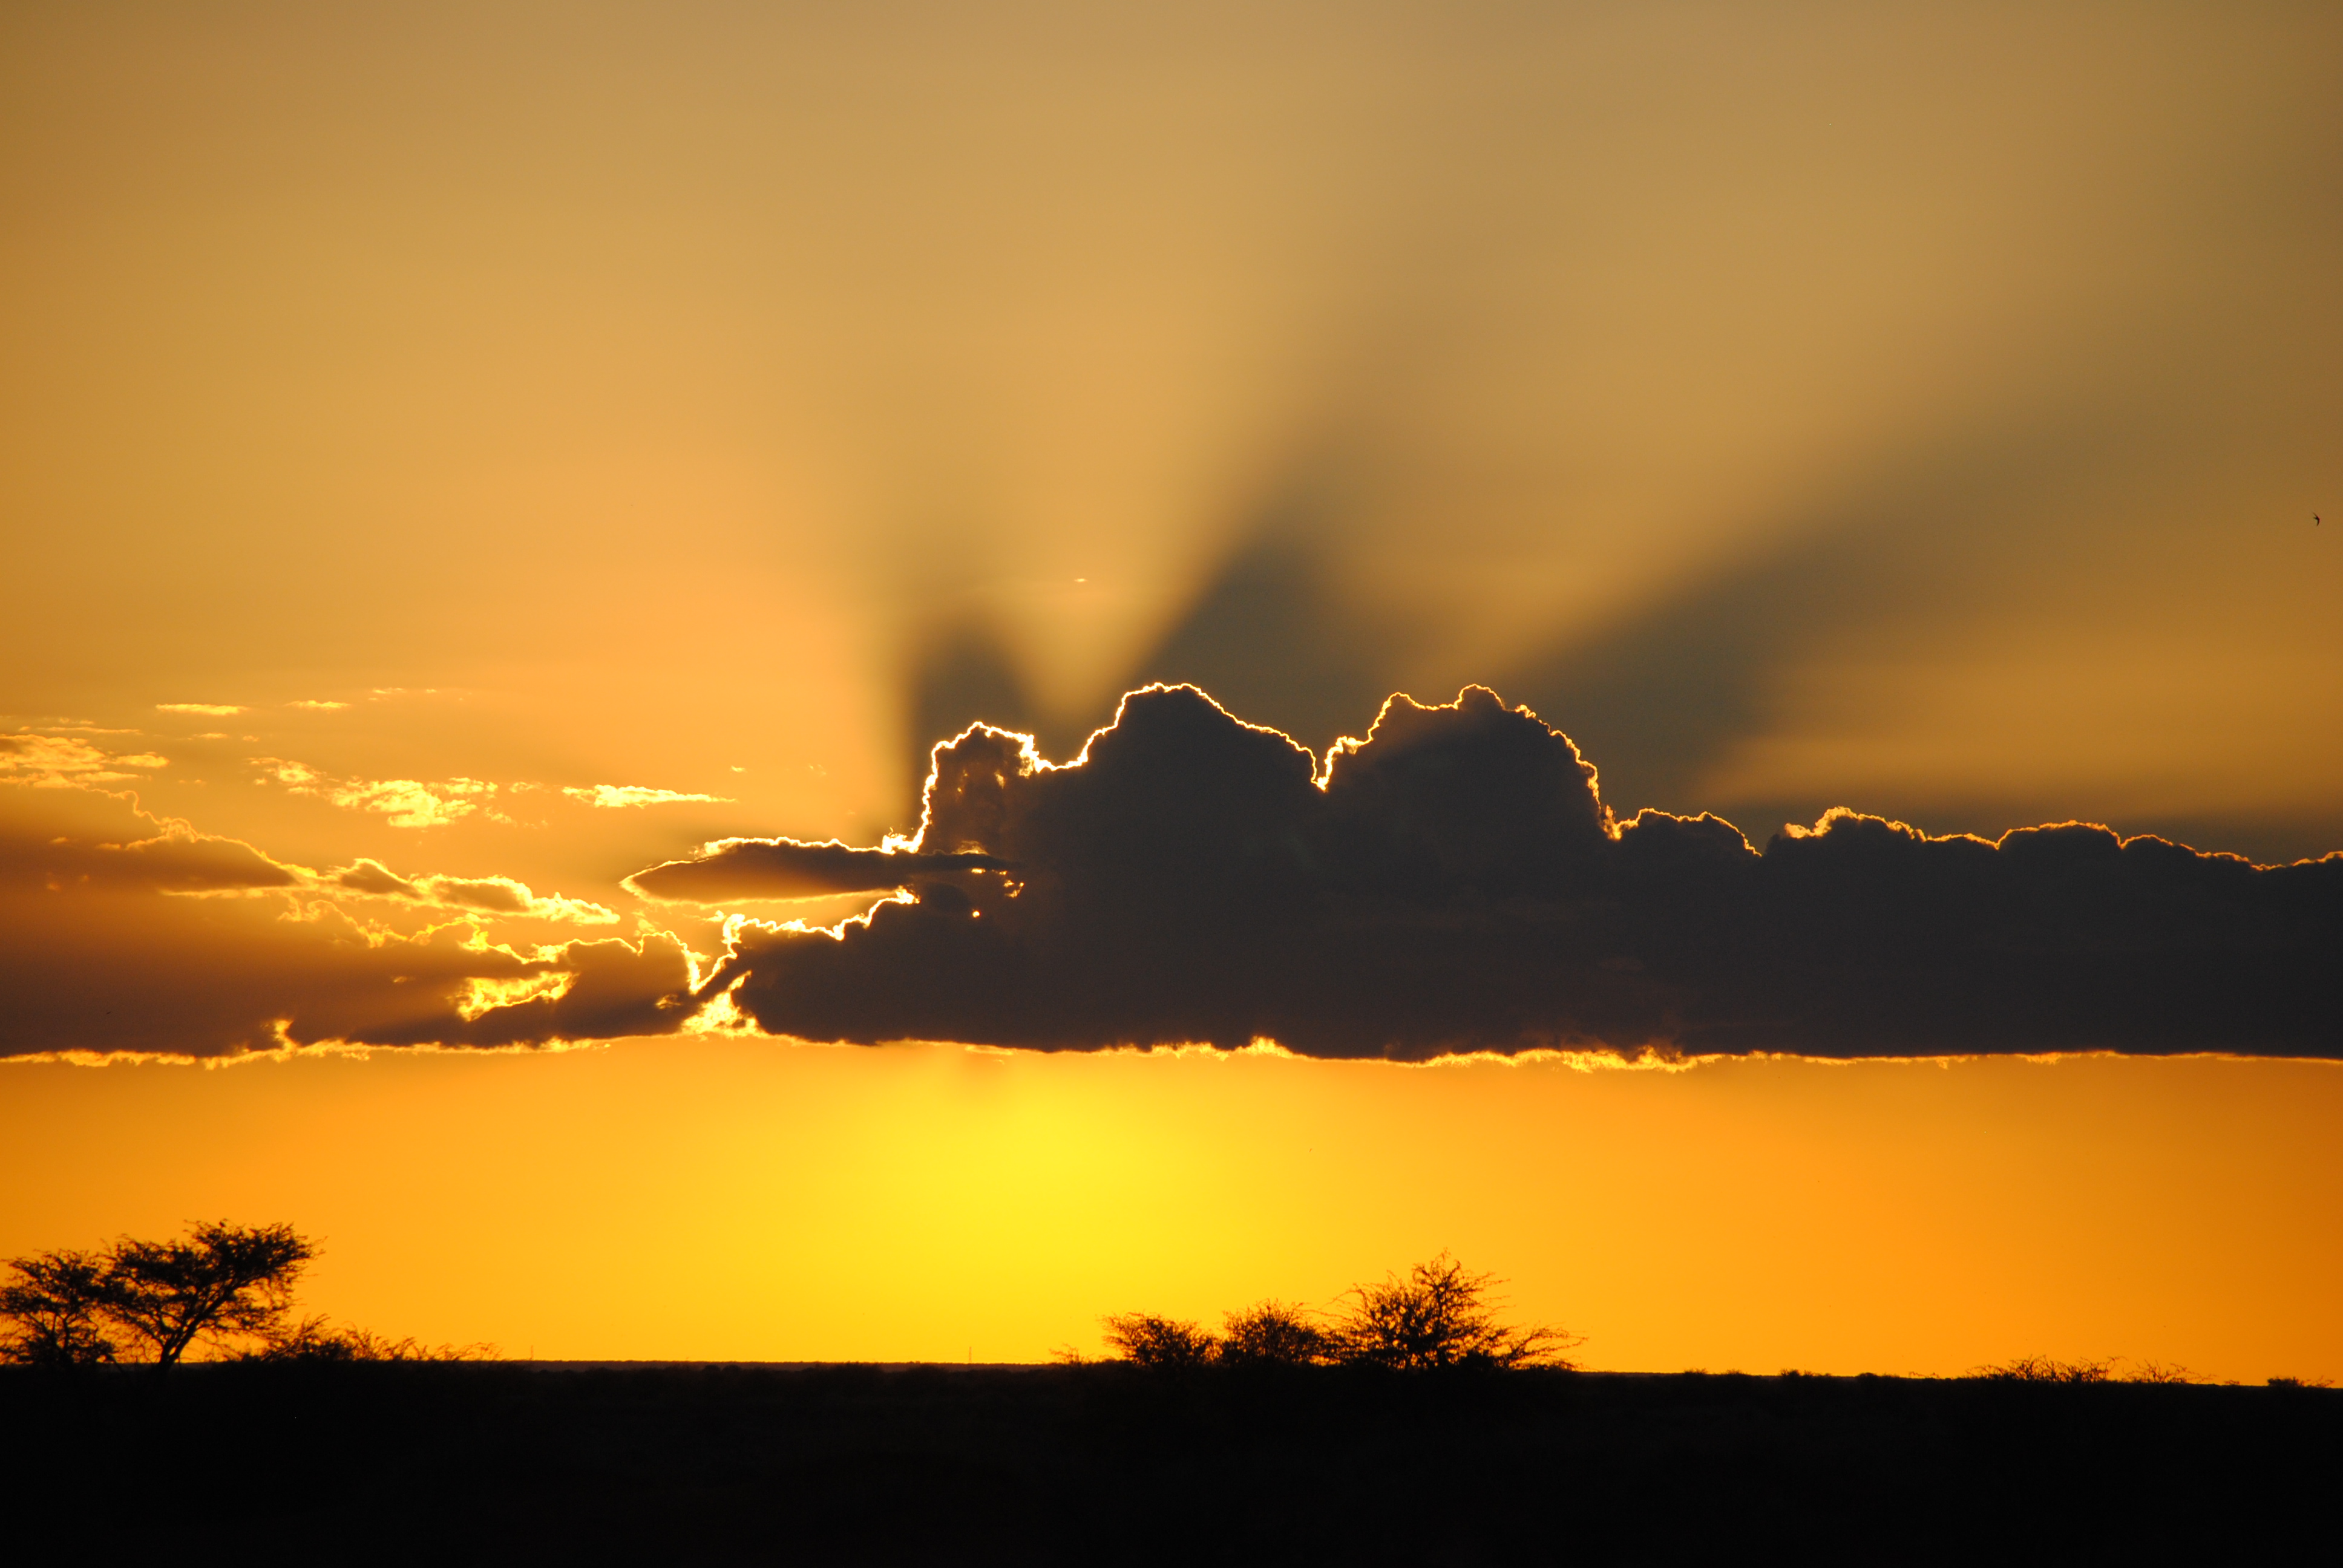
[
  {"x": 1454, "y": 882},
  {"x": 123, "y": 933}
]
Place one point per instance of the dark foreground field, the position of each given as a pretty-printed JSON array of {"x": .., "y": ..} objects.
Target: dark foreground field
[{"x": 1105, "y": 1464}]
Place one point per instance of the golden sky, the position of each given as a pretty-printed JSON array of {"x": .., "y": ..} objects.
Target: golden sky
[{"x": 452, "y": 459}]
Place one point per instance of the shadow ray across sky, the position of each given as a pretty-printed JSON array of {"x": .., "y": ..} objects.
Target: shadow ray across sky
[
  {"x": 1663, "y": 695},
  {"x": 1270, "y": 634}
]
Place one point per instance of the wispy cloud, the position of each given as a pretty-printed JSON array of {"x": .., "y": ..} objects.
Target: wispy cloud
[
  {"x": 408, "y": 803},
  {"x": 411, "y": 803},
  {"x": 214, "y": 710},
  {"x": 618, "y": 797},
  {"x": 488, "y": 895},
  {"x": 29, "y": 757}
]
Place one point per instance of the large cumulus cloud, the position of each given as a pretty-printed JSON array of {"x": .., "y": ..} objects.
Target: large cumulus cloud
[{"x": 1455, "y": 882}]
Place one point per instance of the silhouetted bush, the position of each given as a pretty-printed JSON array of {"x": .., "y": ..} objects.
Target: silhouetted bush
[
  {"x": 315, "y": 1339},
  {"x": 1441, "y": 1315},
  {"x": 2046, "y": 1369},
  {"x": 2111, "y": 1369},
  {"x": 1274, "y": 1333},
  {"x": 1148, "y": 1340}
]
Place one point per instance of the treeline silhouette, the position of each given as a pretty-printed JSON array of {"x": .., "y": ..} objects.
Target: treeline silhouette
[
  {"x": 227, "y": 1288},
  {"x": 1439, "y": 1314}
]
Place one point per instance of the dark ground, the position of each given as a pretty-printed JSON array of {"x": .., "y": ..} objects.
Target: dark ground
[{"x": 1105, "y": 1464}]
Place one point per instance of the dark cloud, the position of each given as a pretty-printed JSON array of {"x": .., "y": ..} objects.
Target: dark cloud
[
  {"x": 491, "y": 895},
  {"x": 122, "y": 932},
  {"x": 1455, "y": 883},
  {"x": 173, "y": 859},
  {"x": 736, "y": 868}
]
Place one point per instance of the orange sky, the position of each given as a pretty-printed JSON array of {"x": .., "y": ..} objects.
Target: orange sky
[
  {"x": 730, "y": 1199},
  {"x": 411, "y": 424}
]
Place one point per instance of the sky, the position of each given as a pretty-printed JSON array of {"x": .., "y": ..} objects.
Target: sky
[{"x": 455, "y": 461}]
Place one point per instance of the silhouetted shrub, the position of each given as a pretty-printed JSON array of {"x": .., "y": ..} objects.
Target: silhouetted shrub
[
  {"x": 2047, "y": 1369},
  {"x": 1441, "y": 1315},
  {"x": 315, "y": 1339},
  {"x": 1274, "y": 1333},
  {"x": 2110, "y": 1369},
  {"x": 1148, "y": 1340}
]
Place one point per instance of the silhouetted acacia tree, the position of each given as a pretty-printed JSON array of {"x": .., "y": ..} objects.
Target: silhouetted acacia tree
[
  {"x": 1148, "y": 1340},
  {"x": 222, "y": 1282},
  {"x": 1441, "y": 1315},
  {"x": 55, "y": 1304},
  {"x": 1274, "y": 1333}
]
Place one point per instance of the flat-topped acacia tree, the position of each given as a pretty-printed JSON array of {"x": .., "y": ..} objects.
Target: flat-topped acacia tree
[
  {"x": 218, "y": 1282},
  {"x": 222, "y": 1280}
]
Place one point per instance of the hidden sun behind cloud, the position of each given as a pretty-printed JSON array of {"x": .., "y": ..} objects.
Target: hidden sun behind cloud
[{"x": 1454, "y": 882}]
